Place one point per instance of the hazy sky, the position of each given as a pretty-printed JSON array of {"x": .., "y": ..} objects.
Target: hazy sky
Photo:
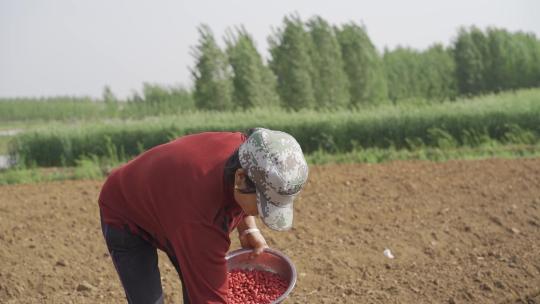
[{"x": 75, "y": 47}]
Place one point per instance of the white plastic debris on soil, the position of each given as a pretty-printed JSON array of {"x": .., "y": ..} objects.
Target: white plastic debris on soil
[{"x": 387, "y": 253}]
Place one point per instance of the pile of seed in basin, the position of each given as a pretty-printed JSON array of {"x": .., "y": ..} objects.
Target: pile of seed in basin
[{"x": 254, "y": 286}]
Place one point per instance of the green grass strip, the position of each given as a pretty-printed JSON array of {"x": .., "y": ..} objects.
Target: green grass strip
[{"x": 96, "y": 169}]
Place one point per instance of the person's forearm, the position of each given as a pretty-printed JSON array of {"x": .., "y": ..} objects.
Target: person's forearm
[{"x": 246, "y": 223}]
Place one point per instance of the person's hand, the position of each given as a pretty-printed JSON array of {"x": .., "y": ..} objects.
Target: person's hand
[{"x": 253, "y": 240}]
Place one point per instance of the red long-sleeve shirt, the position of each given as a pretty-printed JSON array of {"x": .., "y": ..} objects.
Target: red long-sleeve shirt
[{"x": 174, "y": 196}]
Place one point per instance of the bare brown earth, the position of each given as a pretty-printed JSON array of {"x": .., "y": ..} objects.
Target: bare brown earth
[{"x": 460, "y": 231}]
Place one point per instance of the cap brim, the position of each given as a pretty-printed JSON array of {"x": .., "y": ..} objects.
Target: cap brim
[{"x": 276, "y": 217}]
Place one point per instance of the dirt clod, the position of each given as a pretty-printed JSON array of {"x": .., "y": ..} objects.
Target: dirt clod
[
  {"x": 61, "y": 263},
  {"x": 85, "y": 286}
]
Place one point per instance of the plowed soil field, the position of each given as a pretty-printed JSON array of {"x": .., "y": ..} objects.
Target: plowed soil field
[{"x": 459, "y": 231}]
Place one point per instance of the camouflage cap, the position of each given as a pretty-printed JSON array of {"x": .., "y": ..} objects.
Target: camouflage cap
[{"x": 275, "y": 163}]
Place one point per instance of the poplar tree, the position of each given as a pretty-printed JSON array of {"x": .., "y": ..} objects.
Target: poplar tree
[
  {"x": 212, "y": 73},
  {"x": 438, "y": 74},
  {"x": 471, "y": 61},
  {"x": 529, "y": 46},
  {"x": 403, "y": 71},
  {"x": 428, "y": 75},
  {"x": 253, "y": 82},
  {"x": 363, "y": 65},
  {"x": 330, "y": 83},
  {"x": 534, "y": 45},
  {"x": 514, "y": 59},
  {"x": 291, "y": 63}
]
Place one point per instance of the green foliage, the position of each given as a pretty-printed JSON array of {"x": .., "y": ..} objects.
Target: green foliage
[
  {"x": 469, "y": 57},
  {"x": 158, "y": 100},
  {"x": 52, "y": 108},
  {"x": 17, "y": 176},
  {"x": 212, "y": 74},
  {"x": 438, "y": 70},
  {"x": 330, "y": 83},
  {"x": 363, "y": 66},
  {"x": 108, "y": 96},
  {"x": 291, "y": 63},
  {"x": 496, "y": 60},
  {"x": 449, "y": 124},
  {"x": 4, "y": 142},
  {"x": 513, "y": 60},
  {"x": 87, "y": 168},
  {"x": 412, "y": 74},
  {"x": 470, "y": 61},
  {"x": 90, "y": 168},
  {"x": 403, "y": 67},
  {"x": 527, "y": 66},
  {"x": 518, "y": 135},
  {"x": 254, "y": 84},
  {"x": 376, "y": 155},
  {"x": 498, "y": 69}
]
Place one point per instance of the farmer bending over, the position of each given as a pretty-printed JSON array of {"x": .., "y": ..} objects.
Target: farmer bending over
[{"x": 186, "y": 196}]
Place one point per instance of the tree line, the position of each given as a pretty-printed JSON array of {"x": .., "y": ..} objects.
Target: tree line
[{"x": 316, "y": 65}]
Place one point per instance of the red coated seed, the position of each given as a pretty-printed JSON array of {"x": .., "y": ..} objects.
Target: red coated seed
[{"x": 254, "y": 286}]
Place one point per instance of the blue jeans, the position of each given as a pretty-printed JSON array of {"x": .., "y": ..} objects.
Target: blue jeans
[{"x": 136, "y": 262}]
